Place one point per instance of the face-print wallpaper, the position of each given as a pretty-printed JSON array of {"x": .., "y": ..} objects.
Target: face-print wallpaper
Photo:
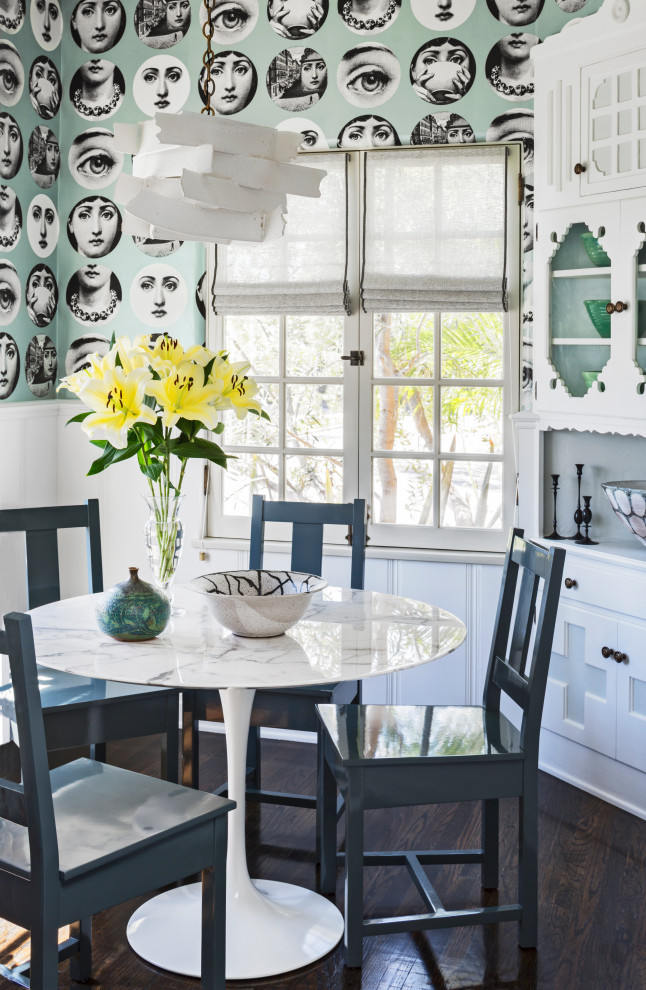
[{"x": 343, "y": 73}]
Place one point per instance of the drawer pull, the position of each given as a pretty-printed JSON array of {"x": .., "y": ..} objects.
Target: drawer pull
[
  {"x": 579, "y": 169},
  {"x": 619, "y": 657},
  {"x": 570, "y": 583},
  {"x": 606, "y": 652}
]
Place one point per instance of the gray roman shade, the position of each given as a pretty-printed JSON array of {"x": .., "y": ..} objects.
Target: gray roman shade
[
  {"x": 304, "y": 271},
  {"x": 434, "y": 230}
]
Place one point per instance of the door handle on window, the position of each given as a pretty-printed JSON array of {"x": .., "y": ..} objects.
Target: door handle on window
[{"x": 356, "y": 358}]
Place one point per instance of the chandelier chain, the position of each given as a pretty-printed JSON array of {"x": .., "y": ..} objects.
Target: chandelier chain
[{"x": 207, "y": 58}]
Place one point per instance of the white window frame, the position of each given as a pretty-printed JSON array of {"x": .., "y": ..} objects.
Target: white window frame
[{"x": 358, "y": 385}]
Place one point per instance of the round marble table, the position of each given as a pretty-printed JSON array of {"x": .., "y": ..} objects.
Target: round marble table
[{"x": 272, "y": 927}]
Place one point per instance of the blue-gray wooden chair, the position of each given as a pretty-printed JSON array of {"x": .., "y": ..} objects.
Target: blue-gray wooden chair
[
  {"x": 286, "y": 708},
  {"x": 383, "y": 756},
  {"x": 83, "y": 711},
  {"x": 87, "y": 836}
]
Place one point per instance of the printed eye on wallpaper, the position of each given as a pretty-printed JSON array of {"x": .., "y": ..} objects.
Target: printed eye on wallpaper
[
  {"x": 12, "y": 74},
  {"x": 41, "y": 365},
  {"x": 368, "y": 74},
  {"x": 233, "y": 20},
  {"x": 162, "y": 24},
  {"x": 92, "y": 160},
  {"x": 44, "y": 156},
  {"x": 42, "y": 225},
  {"x": 41, "y": 295},
  {"x": 97, "y": 89},
  {"x": 47, "y": 23}
]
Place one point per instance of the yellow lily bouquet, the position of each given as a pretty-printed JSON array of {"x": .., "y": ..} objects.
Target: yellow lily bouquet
[{"x": 151, "y": 399}]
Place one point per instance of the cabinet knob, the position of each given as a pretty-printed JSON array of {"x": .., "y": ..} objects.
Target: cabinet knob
[
  {"x": 570, "y": 583},
  {"x": 618, "y": 307},
  {"x": 579, "y": 169},
  {"x": 619, "y": 657},
  {"x": 606, "y": 652}
]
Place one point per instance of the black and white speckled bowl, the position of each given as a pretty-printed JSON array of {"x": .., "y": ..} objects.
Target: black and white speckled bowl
[
  {"x": 628, "y": 500},
  {"x": 258, "y": 603}
]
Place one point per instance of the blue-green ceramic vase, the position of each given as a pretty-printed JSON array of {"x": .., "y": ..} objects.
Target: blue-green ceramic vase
[{"x": 133, "y": 610}]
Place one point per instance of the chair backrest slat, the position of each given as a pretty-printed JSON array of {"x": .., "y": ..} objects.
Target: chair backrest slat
[
  {"x": 308, "y": 520},
  {"x": 12, "y": 802},
  {"x": 511, "y": 668},
  {"x": 43, "y": 847},
  {"x": 40, "y": 526}
]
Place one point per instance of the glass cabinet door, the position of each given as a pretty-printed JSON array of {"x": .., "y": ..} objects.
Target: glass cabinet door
[{"x": 580, "y": 291}]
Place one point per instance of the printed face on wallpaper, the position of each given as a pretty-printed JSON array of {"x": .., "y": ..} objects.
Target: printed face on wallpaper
[
  {"x": 46, "y": 23},
  {"x": 12, "y": 15},
  {"x": 161, "y": 83},
  {"x": 164, "y": 24},
  {"x": 158, "y": 295},
  {"x": 41, "y": 295},
  {"x": 93, "y": 161},
  {"x": 10, "y": 219},
  {"x": 442, "y": 14},
  {"x": 313, "y": 137},
  {"x": 93, "y": 294},
  {"x": 9, "y": 361},
  {"x": 10, "y": 146},
  {"x": 97, "y": 25},
  {"x": 42, "y": 225},
  {"x": 44, "y": 156},
  {"x": 10, "y": 293},
  {"x": 94, "y": 226},
  {"x": 516, "y": 13},
  {"x": 234, "y": 80},
  {"x": 41, "y": 364},
  {"x": 442, "y": 70},
  {"x": 368, "y": 131},
  {"x": 297, "y": 79},
  {"x": 294, "y": 19},
  {"x": 12, "y": 74},
  {"x": 233, "y": 20},
  {"x": 45, "y": 88},
  {"x": 97, "y": 89}
]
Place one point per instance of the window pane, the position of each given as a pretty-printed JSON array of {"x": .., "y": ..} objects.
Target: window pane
[
  {"x": 254, "y": 339},
  {"x": 403, "y": 345},
  {"x": 472, "y": 345},
  {"x": 402, "y": 491},
  {"x": 314, "y": 416},
  {"x": 250, "y": 474},
  {"x": 314, "y": 346},
  {"x": 403, "y": 417},
  {"x": 472, "y": 420},
  {"x": 252, "y": 431},
  {"x": 471, "y": 495},
  {"x": 314, "y": 479}
]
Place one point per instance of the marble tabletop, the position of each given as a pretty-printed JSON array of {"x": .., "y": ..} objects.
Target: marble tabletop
[{"x": 344, "y": 635}]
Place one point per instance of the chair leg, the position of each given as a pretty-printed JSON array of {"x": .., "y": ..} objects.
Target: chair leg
[
  {"x": 43, "y": 969},
  {"x": 326, "y": 822},
  {"x": 170, "y": 742},
  {"x": 528, "y": 866},
  {"x": 490, "y": 843},
  {"x": 190, "y": 742},
  {"x": 353, "y": 937},
  {"x": 99, "y": 752},
  {"x": 214, "y": 912},
  {"x": 81, "y": 963}
]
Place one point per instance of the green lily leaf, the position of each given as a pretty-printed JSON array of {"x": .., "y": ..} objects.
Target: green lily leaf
[
  {"x": 79, "y": 417},
  {"x": 201, "y": 449},
  {"x": 112, "y": 455},
  {"x": 152, "y": 470}
]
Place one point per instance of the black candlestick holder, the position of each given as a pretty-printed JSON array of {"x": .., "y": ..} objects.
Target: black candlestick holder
[
  {"x": 578, "y": 512},
  {"x": 587, "y": 519},
  {"x": 554, "y": 535}
]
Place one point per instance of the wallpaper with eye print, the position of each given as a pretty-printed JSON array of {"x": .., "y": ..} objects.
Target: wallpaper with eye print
[{"x": 343, "y": 73}]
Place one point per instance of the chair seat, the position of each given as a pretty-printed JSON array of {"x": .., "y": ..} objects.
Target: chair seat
[
  {"x": 60, "y": 690},
  {"x": 381, "y": 734},
  {"x": 103, "y": 813}
]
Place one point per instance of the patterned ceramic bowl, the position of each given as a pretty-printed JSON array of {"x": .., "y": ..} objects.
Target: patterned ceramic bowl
[
  {"x": 258, "y": 603},
  {"x": 628, "y": 499}
]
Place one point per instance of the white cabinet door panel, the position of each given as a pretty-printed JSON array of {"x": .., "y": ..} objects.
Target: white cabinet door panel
[{"x": 631, "y": 695}]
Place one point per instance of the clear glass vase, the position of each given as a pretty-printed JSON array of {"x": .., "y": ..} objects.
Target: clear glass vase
[{"x": 164, "y": 534}]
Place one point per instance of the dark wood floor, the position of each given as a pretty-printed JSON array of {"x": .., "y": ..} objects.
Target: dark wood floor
[{"x": 592, "y": 894}]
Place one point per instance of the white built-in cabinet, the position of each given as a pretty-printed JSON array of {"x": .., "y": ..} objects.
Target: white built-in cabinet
[{"x": 590, "y": 374}]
